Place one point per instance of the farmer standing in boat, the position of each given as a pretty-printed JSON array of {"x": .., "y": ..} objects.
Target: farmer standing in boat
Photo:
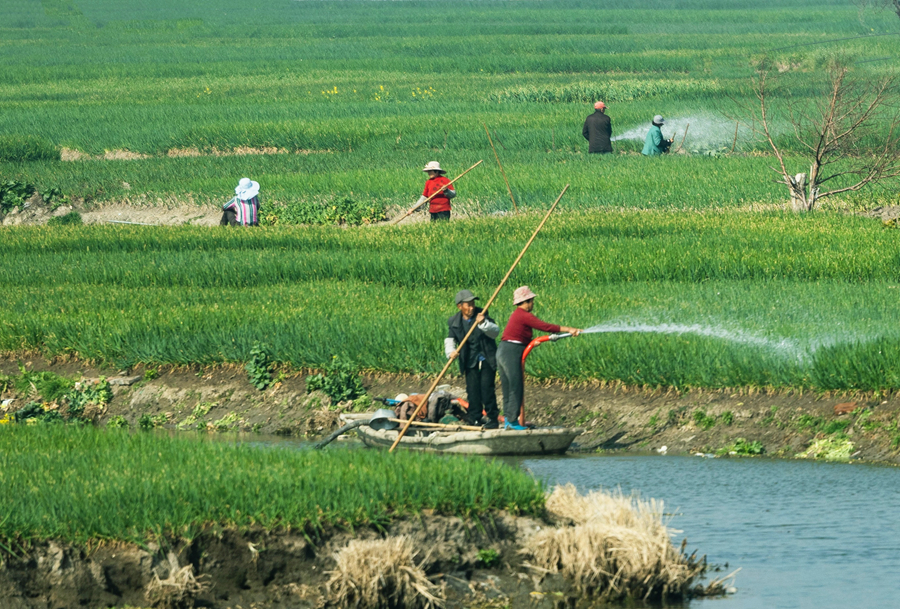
[
  {"x": 440, "y": 205},
  {"x": 516, "y": 336},
  {"x": 477, "y": 358}
]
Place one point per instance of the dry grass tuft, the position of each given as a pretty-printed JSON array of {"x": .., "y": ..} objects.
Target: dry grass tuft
[
  {"x": 178, "y": 590},
  {"x": 616, "y": 547},
  {"x": 381, "y": 573}
]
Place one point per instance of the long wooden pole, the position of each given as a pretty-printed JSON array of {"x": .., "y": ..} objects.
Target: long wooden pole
[
  {"x": 472, "y": 329},
  {"x": 503, "y": 173},
  {"x": 684, "y": 136},
  {"x": 418, "y": 205}
]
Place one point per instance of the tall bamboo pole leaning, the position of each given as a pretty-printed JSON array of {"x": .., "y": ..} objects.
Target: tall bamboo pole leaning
[
  {"x": 472, "y": 329},
  {"x": 683, "y": 137},
  {"x": 418, "y": 205},
  {"x": 503, "y": 173}
]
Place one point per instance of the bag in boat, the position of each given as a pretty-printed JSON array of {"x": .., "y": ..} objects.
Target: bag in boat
[{"x": 439, "y": 404}]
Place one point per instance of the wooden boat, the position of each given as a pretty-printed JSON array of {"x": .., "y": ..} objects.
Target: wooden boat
[{"x": 539, "y": 441}]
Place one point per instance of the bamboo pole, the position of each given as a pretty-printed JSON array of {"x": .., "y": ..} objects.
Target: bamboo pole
[
  {"x": 439, "y": 425},
  {"x": 472, "y": 329},
  {"x": 418, "y": 205},
  {"x": 684, "y": 136},
  {"x": 503, "y": 173},
  {"x": 734, "y": 143}
]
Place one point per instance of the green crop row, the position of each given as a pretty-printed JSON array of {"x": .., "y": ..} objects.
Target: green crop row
[
  {"x": 317, "y": 75},
  {"x": 78, "y": 484},
  {"x": 719, "y": 299}
]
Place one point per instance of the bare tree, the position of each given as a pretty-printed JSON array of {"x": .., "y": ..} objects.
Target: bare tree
[{"x": 850, "y": 134}]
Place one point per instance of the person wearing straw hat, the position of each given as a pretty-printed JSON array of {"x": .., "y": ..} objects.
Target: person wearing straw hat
[
  {"x": 597, "y": 130},
  {"x": 516, "y": 336},
  {"x": 477, "y": 358},
  {"x": 243, "y": 209},
  {"x": 656, "y": 144},
  {"x": 440, "y": 205}
]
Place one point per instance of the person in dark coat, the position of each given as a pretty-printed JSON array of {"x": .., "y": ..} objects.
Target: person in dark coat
[
  {"x": 598, "y": 130},
  {"x": 477, "y": 358}
]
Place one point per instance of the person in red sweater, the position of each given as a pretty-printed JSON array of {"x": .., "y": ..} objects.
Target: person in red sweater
[
  {"x": 440, "y": 205},
  {"x": 516, "y": 336}
]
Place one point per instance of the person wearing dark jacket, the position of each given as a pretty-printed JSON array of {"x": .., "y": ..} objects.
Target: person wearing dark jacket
[
  {"x": 598, "y": 130},
  {"x": 477, "y": 358}
]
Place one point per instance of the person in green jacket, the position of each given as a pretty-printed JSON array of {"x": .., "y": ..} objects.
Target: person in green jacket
[{"x": 655, "y": 144}]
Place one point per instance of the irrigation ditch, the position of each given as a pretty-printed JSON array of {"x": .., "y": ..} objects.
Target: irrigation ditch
[{"x": 617, "y": 418}]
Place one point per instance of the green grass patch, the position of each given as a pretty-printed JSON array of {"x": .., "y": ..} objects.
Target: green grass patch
[{"x": 83, "y": 483}]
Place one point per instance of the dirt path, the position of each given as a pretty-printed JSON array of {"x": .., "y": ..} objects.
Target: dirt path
[{"x": 615, "y": 418}]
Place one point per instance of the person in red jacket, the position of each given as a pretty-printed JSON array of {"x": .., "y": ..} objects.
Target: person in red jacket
[
  {"x": 516, "y": 336},
  {"x": 440, "y": 205}
]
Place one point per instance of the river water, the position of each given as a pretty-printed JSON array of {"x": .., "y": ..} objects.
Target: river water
[{"x": 805, "y": 534}]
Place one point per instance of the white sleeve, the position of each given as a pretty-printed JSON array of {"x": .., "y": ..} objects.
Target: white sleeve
[
  {"x": 490, "y": 329},
  {"x": 449, "y": 346},
  {"x": 421, "y": 200}
]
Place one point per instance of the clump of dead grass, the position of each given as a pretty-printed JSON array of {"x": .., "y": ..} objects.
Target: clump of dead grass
[
  {"x": 379, "y": 574},
  {"x": 178, "y": 590},
  {"x": 613, "y": 547}
]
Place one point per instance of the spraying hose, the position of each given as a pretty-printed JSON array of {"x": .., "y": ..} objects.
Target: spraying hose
[{"x": 532, "y": 345}]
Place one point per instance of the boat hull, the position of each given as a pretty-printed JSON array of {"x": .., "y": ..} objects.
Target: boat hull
[{"x": 547, "y": 441}]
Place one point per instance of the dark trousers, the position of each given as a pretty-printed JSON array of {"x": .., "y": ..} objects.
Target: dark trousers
[
  {"x": 441, "y": 215},
  {"x": 480, "y": 392},
  {"x": 228, "y": 218},
  {"x": 512, "y": 378}
]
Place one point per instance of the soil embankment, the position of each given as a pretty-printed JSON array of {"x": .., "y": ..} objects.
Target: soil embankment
[
  {"x": 270, "y": 569},
  {"x": 616, "y": 418}
]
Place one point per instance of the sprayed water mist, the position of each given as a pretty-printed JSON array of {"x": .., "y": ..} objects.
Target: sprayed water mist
[{"x": 706, "y": 132}]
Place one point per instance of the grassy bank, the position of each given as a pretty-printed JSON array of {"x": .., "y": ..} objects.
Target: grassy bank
[
  {"x": 77, "y": 484},
  {"x": 705, "y": 300}
]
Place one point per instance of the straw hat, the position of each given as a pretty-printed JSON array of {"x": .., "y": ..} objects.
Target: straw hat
[
  {"x": 401, "y": 397},
  {"x": 522, "y": 294},
  {"x": 246, "y": 189},
  {"x": 599, "y": 106},
  {"x": 434, "y": 166}
]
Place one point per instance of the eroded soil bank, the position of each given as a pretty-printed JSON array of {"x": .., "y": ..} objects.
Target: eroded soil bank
[
  {"x": 287, "y": 569},
  {"x": 615, "y": 418}
]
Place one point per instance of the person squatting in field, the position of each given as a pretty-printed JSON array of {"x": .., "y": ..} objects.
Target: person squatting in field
[
  {"x": 477, "y": 358},
  {"x": 516, "y": 336},
  {"x": 597, "y": 130},
  {"x": 656, "y": 144},
  {"x": 243, "y": 209},
  {"x": 440, "y": 205}
]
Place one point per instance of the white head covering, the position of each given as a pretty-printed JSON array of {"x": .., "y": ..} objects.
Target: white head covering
[
  {"x": 434, "y": 166},
  {"x": 246, "y": 189}
]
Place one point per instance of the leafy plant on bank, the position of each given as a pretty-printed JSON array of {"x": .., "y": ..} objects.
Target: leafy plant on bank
[
  {"x": 741, "y": 447},
  {"x": 340, "y": 381},
  {"x": 259, "y": 367},
  {"x": 13, "y": 194},
  {"x": 341, "y": 212}
]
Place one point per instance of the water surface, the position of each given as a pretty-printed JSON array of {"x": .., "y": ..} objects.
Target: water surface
[{"x": 805, "y": 534}]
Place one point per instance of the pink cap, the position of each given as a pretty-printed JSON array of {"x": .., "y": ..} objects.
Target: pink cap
[
  {"x": 522, "y": 294},
  {"x": 599, "y": 106}
]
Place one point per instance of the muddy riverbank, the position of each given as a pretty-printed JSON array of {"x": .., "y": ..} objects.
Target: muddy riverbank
[
  {"x": 616, "y": 418},
  {"x": 228, "y": 568}
]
